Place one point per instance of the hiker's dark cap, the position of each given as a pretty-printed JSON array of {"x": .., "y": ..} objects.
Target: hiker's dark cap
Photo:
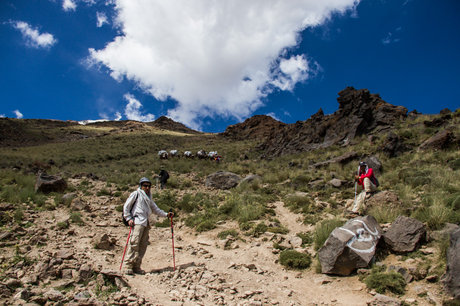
[{"x": 144, "y": 180}]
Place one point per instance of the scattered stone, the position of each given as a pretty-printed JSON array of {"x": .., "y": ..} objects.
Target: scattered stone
[
  {"x": 103, "y": 242},
  {"x": 54, "y": 295},
  {"x": 383, "y": 300}
]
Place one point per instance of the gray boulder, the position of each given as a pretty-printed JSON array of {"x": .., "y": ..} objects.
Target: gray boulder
[
  {"x": 452, "y": 276},
  {"x": 439, "y": 141},
  {"x": 405, "y": 234},
  {"x": 351, "y": 246},
  {"x": 251, "y": 178},
  {"x": 222, "y": 180},
  {"x": 374, "y": 163},
  {"x": 50, "y": 183}
]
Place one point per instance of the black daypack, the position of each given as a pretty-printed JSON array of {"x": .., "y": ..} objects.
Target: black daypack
[
  {"x": 375, "y": 181},
  {"x": 125, "y": 222}
]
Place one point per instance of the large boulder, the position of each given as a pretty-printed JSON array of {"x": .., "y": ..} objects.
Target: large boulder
[
  {"x": 351, "y": 246},
  {"x": 439, "y": 141},
  {"x": 452, "y": 276},
  {"x": 222, "y": 180},
  {"x": 393, "y": 145},
  {"x": 405, "y": 235},
  {"x": 50, "y": 183},
  {"x": 374, "y": 163},
  {"x": 386, "y": 198}
]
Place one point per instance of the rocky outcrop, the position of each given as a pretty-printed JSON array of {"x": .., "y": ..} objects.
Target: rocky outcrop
[
  {"x": 222, "y": 180},
  {"x": 257, "y": 127},
  {"x": 393, "y": 145},
  {"x": 359, "y": 113},
  {"x": 405, "y": 235},
  {"x": 50, "y": 183},
  {"x": 350, "y": 247},
  {"x": 439, "y": 141},
  {"x": 166, "y": 123},
  {"x": 452, "y": 276}
]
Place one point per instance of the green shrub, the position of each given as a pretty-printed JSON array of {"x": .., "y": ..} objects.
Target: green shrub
[
  {"x": 299, "y": 203},
  {"x": 454, "y": 164},
  {"x": 386, "y": 281},
  {"x": 435, "y": 216},
  {"x": 103, "y": 192},
  {"x": 166, "y": 222},
  {"x": 385, "y": 214},
  {"x": 258, "y": 230},
  {"x": 307, "y": 238},
  {"x": 18, "y": 215},
  {"x": 119, "y": 208},
  {"x": 295, "y": 260},
  {"x": 63, "y": 225},
  {"x": 206, "y": 225},
  {"x": 230, "y": 232},
  {"x": 75, "y": 217},
  {"x": 323, "y": 230},
  {"x": 278, "y": 230}
]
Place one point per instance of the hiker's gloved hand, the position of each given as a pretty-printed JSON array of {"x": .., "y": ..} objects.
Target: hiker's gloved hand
[
  {"x": 170, "y": 214},
  {"x": 131, "y": 223}
]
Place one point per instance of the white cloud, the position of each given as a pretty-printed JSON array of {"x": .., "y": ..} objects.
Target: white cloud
[
  {"x": 33, "y": 37},
  {"x": 101, "y": 19},
  {"x": 69, "y": 5},
  {"x": 117, "y": 116},
  {"x": 273, "y": 115},
  {"x": 212, "y": 57},
  {"x": 132, "y": 110},
  {"x": 18, "y": 114},
  {"x": 291, "y": 71},
  {"x": 391, "y": 37},
  {"x": 2, "y": 116}
]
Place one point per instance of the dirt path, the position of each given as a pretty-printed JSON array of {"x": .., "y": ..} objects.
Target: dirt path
[{"x": 246, "y": 274}]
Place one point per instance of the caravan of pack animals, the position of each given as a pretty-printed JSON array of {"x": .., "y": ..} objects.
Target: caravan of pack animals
[
  {"x": 201, "y": 154},
  {"x": 357, "y": 207}
]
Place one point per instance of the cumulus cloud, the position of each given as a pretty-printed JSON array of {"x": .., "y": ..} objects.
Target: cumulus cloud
[
  {"x": 33, "y": 37},
  {"x": 213, "y": 57},
  {"x": 2, "y": 116},
  {"x": 69, "y": 5},
  {"x": 18, "y": 114},
  {"x": 117, "y": 116},
  {"x": 101, "y": 19},
  {"x": 133, "y": 110}
]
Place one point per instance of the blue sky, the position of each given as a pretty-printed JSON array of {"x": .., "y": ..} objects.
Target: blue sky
[{"x": 209, "y": 64}]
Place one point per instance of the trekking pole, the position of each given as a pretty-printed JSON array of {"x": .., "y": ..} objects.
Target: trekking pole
[
  {"x": 123, "y": 258},
  {"x": 172, "y": 234},
  {"x": 356, "y": 186}
]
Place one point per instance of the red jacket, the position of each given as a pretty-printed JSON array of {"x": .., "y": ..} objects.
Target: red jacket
[{"x": 369, "y": 174}]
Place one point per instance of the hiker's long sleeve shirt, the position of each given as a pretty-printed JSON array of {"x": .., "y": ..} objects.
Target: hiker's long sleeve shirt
[
  {"x": 139, "y": 206},
  {"x": 368, "y": 174}
]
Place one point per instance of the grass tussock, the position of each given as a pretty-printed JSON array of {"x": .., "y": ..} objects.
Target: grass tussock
[{"x": 292, "y": 259}]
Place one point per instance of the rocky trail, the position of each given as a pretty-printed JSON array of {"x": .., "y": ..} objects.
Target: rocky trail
[{"x": 79, "y": 264}]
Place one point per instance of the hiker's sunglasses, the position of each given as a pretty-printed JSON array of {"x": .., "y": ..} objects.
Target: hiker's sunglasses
[{"x": 146, "y": 185}]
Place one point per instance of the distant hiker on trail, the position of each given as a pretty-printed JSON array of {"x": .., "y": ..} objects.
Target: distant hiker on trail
[
  {"x": 137, "y": 209},
  {"x": 365, "y": 178},
  {"x": 163, "y": 176}
]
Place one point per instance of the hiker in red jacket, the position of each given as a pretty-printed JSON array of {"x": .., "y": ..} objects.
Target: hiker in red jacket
[{"x": 365, "y": 178}]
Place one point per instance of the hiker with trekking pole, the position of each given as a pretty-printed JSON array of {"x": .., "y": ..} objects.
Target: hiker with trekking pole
[
  {"x": 365, "y": 177},
  {"x": 136, "y": 211}
]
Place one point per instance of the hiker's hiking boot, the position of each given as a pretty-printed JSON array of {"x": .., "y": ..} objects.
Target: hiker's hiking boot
[
  {"x": 138, "y": 271},
  {"x": 129, "y": 271}
]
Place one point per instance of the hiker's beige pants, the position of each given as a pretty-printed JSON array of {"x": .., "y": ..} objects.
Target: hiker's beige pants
[
  {"x": 359, "y": 205},
  {"x": 137, "y": 246}
]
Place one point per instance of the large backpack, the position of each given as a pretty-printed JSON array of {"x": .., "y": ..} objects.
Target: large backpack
[
  {"x": 125, "y": 222},
  {"x": 375, "y": 181}
]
